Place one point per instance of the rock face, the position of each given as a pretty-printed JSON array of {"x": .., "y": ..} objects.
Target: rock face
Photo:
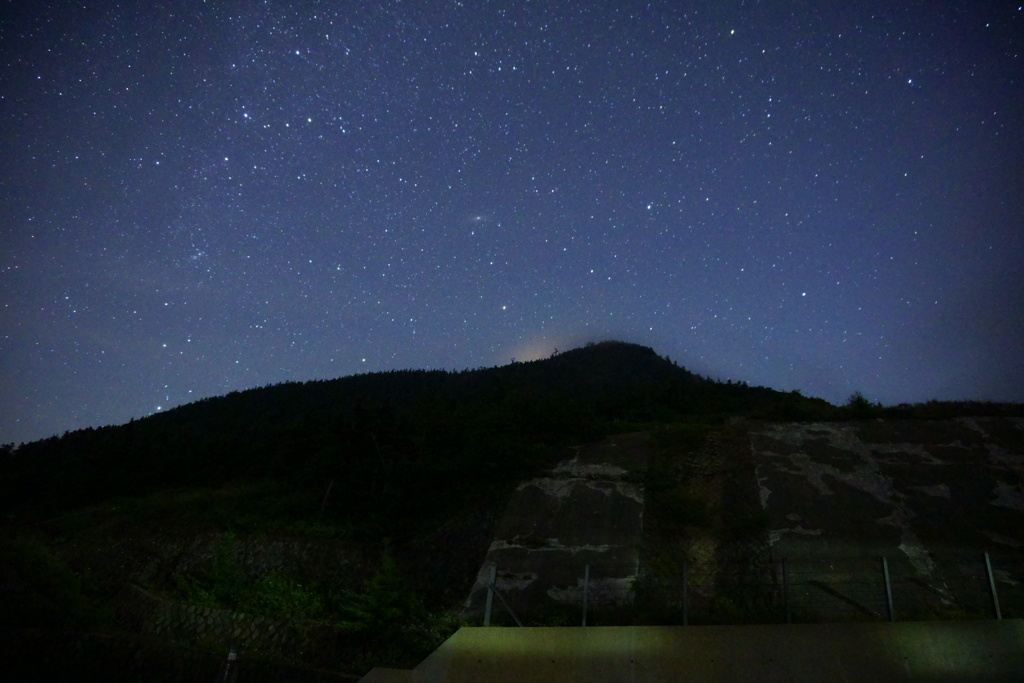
[
  {"x": 930, "y": 496},
  {"x": 795, "y": 520},
  {"x": 588, "y": 510}
]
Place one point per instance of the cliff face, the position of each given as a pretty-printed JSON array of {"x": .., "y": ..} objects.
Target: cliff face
[
  {"x": 587, "y": 512},
  {"x": 922, "y": 487},
  {"x": 930, "y": 496},
  {"x": 764, "y": 521}
]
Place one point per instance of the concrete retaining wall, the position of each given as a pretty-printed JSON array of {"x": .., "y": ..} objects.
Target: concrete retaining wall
[
  {"x": 141, "y": 612},
  {"x": 587, "y": 511},
  {"x": 937, "y": 651},
  {"x": 218, "y": 630}
]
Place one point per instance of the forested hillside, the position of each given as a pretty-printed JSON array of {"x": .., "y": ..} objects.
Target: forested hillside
[{"x": 395, "y": 444}]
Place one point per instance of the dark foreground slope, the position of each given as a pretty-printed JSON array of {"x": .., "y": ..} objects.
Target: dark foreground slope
[{"x": 336, "y": 524}]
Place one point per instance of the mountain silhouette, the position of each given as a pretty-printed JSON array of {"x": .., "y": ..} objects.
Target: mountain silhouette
[{"x": 386, "y": 439}]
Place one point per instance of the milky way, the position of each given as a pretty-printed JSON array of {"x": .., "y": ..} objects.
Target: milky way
[{"x": 199, "y": 197}]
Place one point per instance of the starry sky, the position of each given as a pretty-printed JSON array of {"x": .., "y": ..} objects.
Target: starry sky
[{"x": 200, "y": 197}]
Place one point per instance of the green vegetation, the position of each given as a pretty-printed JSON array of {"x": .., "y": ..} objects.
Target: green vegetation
[
  {"x": 385, "y": 603},
  {"x": 388, "y": 622},
  {"x": 665, "y": 567},
  {"x": 273, "y": 594}
]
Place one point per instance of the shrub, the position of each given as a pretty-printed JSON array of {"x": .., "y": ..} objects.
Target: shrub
[{"x": 858, "y": 406}]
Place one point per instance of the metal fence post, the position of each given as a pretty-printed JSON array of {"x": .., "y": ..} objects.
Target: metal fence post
[
  {"x": 686, "y": 602},
  {"x": 992, "y": 587},
  {"x": 490, "y": 596},
  {"x": 785, "y": 592},
  {"x": 888, "y": 588},
  {"x": 586, "y": 585},
  {"x": 507, "y": 606},
  {"x": 232, "y": 656}
]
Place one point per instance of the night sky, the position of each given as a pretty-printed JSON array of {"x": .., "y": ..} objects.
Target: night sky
[{"x": 200, "y": 197}]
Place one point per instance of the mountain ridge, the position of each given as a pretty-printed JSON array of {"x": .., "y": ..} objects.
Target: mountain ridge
[
  {"x": 274, "y": 430},
  {"x": 506, "y": 418}
]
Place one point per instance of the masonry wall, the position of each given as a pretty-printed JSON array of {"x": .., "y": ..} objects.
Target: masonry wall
[{"x": 253, "y": 636}]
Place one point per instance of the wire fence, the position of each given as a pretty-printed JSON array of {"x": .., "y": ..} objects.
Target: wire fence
[{"x": 794, "y": 590}]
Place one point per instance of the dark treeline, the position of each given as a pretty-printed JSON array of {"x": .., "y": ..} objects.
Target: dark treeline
[{"x": 382, "y": 447}]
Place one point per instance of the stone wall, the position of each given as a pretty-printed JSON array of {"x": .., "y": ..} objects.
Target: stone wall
[
  {"x": 126, "y": 555},
  {"x": 326, "y": 561},
  {"x": 587, "y": 511},
  {"x": 141, "y": 612},
  {"x": 252, "y": 635}
]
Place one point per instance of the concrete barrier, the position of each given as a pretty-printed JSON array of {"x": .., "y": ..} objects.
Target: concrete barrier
[
  {"x": 934, "y": 651},
  {"x": 588, "y": 510}
]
